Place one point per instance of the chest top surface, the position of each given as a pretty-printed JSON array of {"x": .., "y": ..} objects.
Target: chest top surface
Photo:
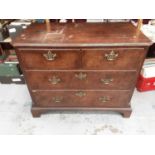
[{"x": 81, "y": 35}]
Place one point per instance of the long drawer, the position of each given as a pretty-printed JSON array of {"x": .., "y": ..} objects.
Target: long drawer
[
  {"x": 84, "y": 59},
  {"x": 82, "y": 98},
  {"x": 47, "y": 80}
]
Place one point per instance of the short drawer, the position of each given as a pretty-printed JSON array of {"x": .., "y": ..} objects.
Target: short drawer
[
  {"x": 46, "y": 80},
  {"x": 82, "y": 98},
  {"x": 49, "y": 59},
  {"x": 113, "y": 59}
]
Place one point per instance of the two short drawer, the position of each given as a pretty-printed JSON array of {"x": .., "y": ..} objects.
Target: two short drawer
[{"x": 87, "y": 59}]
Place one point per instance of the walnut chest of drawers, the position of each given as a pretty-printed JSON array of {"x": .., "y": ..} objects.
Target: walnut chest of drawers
[{"x": 81, "y": 66}]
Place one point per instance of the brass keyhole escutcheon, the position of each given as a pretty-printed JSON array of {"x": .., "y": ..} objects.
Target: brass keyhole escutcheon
[
  {"x": 111, "y": 56},
  {"x": 81, "y": 76},
  {"x": 54, "y": 80},
  {"x": 57, "y": 99},
  {"x": 104, "y": 99},
  {"x": 50, "y": 56},
  {"x": 107, "y": 81},
  {"x": 80, "y": 94}
]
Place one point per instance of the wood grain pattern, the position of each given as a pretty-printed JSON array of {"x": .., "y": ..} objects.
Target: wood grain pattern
[
  {"x": 81, "y": 34},
  {"x": 90, "y": 99},
  {"x": 76, "y": 79},
  {"x": 34, "y": 59},
  {"x": 127, "y": 59},
  {"x": 37, "y": 111},
  {"x": 39, "y": 80}
]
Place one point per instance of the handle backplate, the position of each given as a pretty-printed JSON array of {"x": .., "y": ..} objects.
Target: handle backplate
[
  {"x": 81, "y": 76},
  {"x": 80, "y": 94},
  {"x": 57, "y": 99},
  {"x": 50, "y": 56},
  {"x": 104, "y": 99},
  {"x": 54, "y": 80},
  {"x": 111, "y": 56},
  {"x": 106, "y": 81}
]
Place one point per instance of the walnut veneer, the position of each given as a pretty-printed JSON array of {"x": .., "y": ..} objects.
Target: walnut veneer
[{"x": 81, "y": 66}]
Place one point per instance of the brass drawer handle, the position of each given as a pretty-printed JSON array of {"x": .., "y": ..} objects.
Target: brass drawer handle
[
  {"x": 104, "y": 99},
  {"x": 111, "y": 56},
  {"x": 81, "y": 76},
  {"x": 80, "y": 94},
  {"x": 54, "y": 80},
  {"x": 57, "y": 99},
  {"x": 107, "y": 81},
  {"x": 50, "y": 56}
]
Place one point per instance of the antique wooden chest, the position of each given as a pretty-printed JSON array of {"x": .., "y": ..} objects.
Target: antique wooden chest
[{"x": 81, "y": 66}]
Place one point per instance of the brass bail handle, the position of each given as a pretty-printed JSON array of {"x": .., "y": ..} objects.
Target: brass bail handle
[
  {"x": 104, "y": 99},
  {"x": 111, "y": 56},
  {"x": 80, "y": 94},
  {"x": 57, "y": 99},
  {"x": 81, "y": 76},
  {"x": 54, "y": 80},
  {"x": 107, "y": 81},
  {"x": 50, "y": 56}
]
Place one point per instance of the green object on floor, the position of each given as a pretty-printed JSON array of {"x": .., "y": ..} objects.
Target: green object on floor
[
  {"x": 9, "y": 70},
  {"x": 2, "y": 57}
]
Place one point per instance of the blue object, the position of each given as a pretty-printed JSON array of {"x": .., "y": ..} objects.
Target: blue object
[{"x": 40, "y": 20}]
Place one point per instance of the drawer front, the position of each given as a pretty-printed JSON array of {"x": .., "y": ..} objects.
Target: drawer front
[
  {"x": 82, "y": 98},
  {"x": 113, "y": 59},
  {"x": 80, "y": 80},
  {"x": 49, "y": 59}
]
